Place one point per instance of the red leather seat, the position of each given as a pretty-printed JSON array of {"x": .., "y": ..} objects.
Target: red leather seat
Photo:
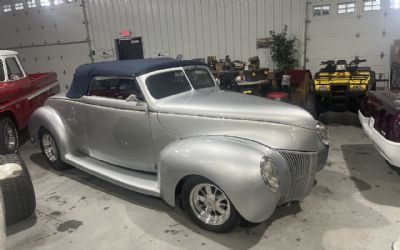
[{"x": 278, "y": 96}]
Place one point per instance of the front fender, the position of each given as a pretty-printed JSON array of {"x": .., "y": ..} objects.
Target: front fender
[
  {"x": 231, "y": 163},
  {"x": 48, "y": 118}
]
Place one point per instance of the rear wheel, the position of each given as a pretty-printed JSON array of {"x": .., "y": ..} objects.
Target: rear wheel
[
  {"x": 311, "y": 105},
  {"x": 50, "y": 150},
  {"x": 18, "y": 192},
  {"x": 9, "y": 136},
  {"x": 208, "y": 206},
  {"x": 372, "y": 82}
]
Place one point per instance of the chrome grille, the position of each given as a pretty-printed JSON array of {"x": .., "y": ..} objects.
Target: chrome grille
[{"x": 301, "y": 174}]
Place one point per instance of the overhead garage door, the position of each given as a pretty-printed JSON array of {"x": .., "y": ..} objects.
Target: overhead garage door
[
  {"x": 363, "y": 31},
  {"x": 49, "y": 35}
]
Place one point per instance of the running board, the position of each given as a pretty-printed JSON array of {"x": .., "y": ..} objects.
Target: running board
[{"x": 141, "y": 182}]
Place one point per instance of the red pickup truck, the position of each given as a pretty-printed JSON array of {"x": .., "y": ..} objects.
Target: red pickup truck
[{"x": 20, "y": 95}]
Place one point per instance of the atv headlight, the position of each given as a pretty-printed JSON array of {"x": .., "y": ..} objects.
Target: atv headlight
[
  {"x": 269, "y": 173},
  {"x": 323, "y": 132},
  {"x": 341, "y": 67},
  {"x": 357, "y": 88},
  {"x": 323, "y": 88}
]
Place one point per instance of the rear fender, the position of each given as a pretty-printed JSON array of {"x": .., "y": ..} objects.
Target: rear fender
[{"x": 48, "y": 118}]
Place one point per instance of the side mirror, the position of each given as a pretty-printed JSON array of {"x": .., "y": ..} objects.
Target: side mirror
[
  {"x": 133, "y": 98},
  {"x": 14, "y": 77}
]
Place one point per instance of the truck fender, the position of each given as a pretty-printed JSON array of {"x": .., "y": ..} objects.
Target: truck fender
[
  {"x": 231, "y": 163},
  {"x": 48, "y": 118}
]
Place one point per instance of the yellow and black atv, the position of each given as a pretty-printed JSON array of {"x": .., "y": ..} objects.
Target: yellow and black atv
[{"x": 339, "y": 87}]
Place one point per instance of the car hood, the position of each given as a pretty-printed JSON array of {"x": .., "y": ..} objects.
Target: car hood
[{"x": 231, "y": 105}]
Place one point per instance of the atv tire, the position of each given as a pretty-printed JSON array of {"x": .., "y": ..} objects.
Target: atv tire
[
  {"x": 18, "y": 193},
  {"x": 372, "y": 82},
  {"x": 311, "y": 105}
]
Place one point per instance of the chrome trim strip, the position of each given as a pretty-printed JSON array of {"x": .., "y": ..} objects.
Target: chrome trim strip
[
  {"x": 31, "y": 96},
  {"x": 229, "y": 118},
  {"x": 42, "y": 91}
]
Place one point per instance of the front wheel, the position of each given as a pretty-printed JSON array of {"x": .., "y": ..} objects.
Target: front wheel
[
  {"x": 9, "y": 136},
  {"x": 393, "y": 167},
  {"x": 50, "y": 150},
  {"x": 208, "y": 206}
]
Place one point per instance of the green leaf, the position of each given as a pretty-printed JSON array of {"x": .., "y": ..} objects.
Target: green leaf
[{"x": 283, "y": 50}]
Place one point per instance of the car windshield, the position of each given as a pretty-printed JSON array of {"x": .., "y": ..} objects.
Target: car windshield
[
  {"x": 168, "y": 83},
  {"x": 174, "y": 82},
  {"x": 200, "y": 78}
]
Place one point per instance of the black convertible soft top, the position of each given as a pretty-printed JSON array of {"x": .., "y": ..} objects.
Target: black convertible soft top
[{"x": 126, "y": 68}]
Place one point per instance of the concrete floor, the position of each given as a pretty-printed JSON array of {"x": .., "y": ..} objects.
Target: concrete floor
[{"x": 355, "y": 205}]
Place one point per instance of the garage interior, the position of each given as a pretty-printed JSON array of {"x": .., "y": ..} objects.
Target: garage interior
[{"x": 355, "y": 201}]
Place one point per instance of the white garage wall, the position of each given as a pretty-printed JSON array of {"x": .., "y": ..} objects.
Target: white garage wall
[
  {"x": 54, "y": 38},
  {"x": 335, "y": 36},
  {"x": 194, "y": 28},
  {"x": 50, "y": 38}
]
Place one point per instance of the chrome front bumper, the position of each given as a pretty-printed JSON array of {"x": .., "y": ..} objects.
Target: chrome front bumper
[{"x": 388, "y": 149}]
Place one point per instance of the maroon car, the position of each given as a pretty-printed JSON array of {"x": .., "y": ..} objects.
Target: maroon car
[{"x": 380, "y": 117}]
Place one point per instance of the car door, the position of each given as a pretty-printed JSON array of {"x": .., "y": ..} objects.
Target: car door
[
  {"x": 18, "y": 88},
  {"x": 117, "y": 125}
]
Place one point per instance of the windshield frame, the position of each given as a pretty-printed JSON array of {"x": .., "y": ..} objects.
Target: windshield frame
[
  {"x": 206, "y": 69},
  {"x": 143, "y": 78}
]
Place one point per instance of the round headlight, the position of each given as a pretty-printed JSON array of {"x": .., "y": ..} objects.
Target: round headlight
[
  {"x": 269, "y": 174},
  {"x": 323, "y": 133}
]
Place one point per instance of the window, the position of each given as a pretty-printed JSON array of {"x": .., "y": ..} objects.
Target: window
[
  {"x": 19, "y": 6},
  {"x": 321, "y": 10},
  {"x": 372, "y": 5},
  {"x": 395, "y": 4},
  {"x": 44, "y": 2},
  {"x": 57, "y": 2},
  {"x": 14, "y": 71},
  {"x": 6, "y": 8},
  {"x": 200, "y": 78},
  {"x": 346, "y": 8},
  {"x": 167, "y": 84},
  {"x": 31, "y": 4},
  {"x": 2, "y": 76},
  {"x": 116, "y": 88}
]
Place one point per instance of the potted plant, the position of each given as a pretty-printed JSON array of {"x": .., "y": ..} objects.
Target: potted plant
[{"x": 284, "y": 53}]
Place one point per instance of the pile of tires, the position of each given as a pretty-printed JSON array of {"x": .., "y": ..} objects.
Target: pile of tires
[{"x": 18, "y": 193}]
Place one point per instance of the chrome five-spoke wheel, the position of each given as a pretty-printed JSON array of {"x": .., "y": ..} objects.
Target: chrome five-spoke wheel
[
  {"x": 50, "y": 151},
  {"x": 210, "y": 204},
  {"x": 49, "y": 147}
]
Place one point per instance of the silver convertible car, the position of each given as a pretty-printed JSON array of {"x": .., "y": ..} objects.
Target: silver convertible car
[{"x": 163, "y": 127}]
